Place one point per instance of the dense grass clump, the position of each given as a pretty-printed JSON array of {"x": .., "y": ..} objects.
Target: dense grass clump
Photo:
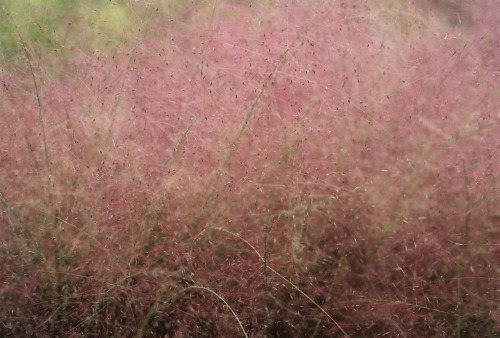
[{"x": 252, "y": 168}]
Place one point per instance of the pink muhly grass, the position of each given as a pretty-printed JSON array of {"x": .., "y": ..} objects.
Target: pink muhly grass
[{"x": 266, "y": 168}]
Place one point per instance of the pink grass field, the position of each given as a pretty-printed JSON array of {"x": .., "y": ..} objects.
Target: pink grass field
[{"x": 255, "y": 168}]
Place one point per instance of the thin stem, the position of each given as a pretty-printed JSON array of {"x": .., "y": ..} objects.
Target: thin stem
[
  {"x": 282, "y": 277},
  {"x": 41, "y": 116}
]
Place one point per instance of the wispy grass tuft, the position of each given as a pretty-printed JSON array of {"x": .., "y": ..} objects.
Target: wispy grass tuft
[{"x": 250, "y": 168}]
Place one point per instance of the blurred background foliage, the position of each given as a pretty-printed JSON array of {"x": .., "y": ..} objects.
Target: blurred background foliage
[{"x": 58, "y": 26}]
